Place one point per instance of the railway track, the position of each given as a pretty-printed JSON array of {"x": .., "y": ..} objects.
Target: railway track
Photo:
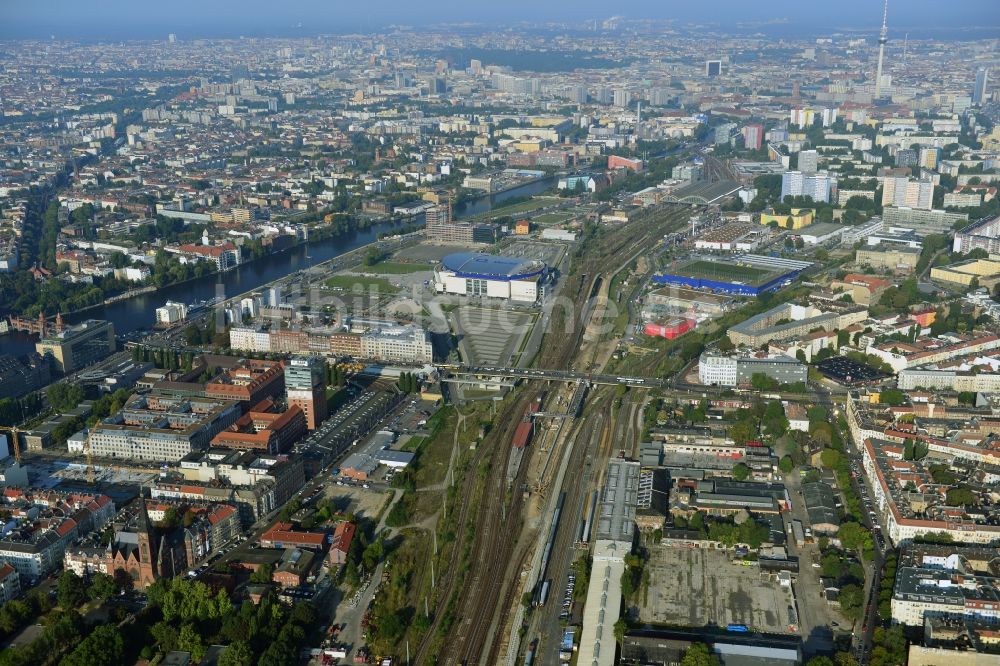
[{"x": 488, "y": 591}]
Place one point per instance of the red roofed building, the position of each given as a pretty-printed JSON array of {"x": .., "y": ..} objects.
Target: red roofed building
[
  {"x": 263, "y": 430},
  {"x": 225, "y": 256},
  {"x": 251, "y": 382},
  {"x": 864, "y": 289},
  {"x": 343, "y": 536},
  {"x": 10, "y": 583},
  {"x": 619, "y": 162},
  {"x": 281, "y": 535}
]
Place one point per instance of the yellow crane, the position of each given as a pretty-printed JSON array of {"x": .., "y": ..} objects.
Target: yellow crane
[
  {"x": 90, "y": 461},
  {"x": 15, "y": 442}
]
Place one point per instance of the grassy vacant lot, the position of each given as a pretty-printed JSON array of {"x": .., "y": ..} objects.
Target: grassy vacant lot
[
  {"x": 358, "y": 283},
  {"x": 395, "y": 268},
  {"x": 711, "y": 270},
  {"x": 552, "y": 218},
  {"x": 515, "y": 209}
]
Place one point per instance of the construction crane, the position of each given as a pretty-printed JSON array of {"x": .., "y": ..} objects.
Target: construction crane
[
  {"x": 90, "y": 461},
  {"x": 15, "y": 441}
]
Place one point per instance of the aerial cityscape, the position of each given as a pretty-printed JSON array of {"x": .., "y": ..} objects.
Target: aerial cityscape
[{"x": 522, "y": 335}]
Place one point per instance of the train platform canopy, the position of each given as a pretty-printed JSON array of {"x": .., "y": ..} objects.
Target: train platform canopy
[{"x": 704, "y": 193}]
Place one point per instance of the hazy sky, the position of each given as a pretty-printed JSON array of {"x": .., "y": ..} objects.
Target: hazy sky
[{"x": 122, "y": 19}]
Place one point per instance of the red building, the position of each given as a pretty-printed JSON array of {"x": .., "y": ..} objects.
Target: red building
[
  {"x": 249, "y": 382},
  {"x": 281, "y": 535},
  {"x": 619, "y": 162},
  {"x": 674, "y": 328},
  {"x": 343, "y": 536},
  {"x": 264, "y": 429}
]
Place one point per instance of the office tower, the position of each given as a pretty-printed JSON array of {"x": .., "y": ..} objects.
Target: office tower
[
  {"x": 979, "y": 91},
  {"x": 713, "y": 67},
  {"x": 273, "y": 297},
  {"x": 622, "y": 98},
  {"x": 305, "y": 387},
  {"x": 882, "y": 39},
  {"x": 440, "y": 86},
  {"x": 808, "y": 161},
  {"x": 476, "y": 66},
  {"x": 172, "y": 38},
  {"x": 752, "y": 136},
  {"x": 77, "y": 346}
]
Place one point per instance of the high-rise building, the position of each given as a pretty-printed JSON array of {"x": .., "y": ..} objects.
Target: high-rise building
[
  {"x": 808, "y": 161},
  {"x": 904, "y": 192},
  {"x": 305, "y": 387},
  {"x": 623, "y": 98},
  {"x": 829, "y": 117},
  {"x": 819, "y": 186},
  {"x": 753, "y": 136},
  {"x": 929, "y": 157},
  {"x": 906, "y": 157},
  {"x": 172, "y": 38},
  {"x": 979, "y": 90},
  {"x": 802, "y": 117},
  {"x": 713, "y": 67}
]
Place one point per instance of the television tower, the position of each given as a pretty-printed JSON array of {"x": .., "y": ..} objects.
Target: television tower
[{"x": 882, "y": 39}]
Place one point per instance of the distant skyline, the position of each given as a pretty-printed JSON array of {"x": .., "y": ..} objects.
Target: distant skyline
[{"x": 141, "y": 19}]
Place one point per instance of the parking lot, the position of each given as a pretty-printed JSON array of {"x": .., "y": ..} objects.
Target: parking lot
[
  {"x": 550, "y": 253},
  {"x": 695, "y": 587},
  {"x": 849, "y": 372},
  {"x": 428, "y": 253},
  {"x": 353, "y": 499},
  {"x": 490, "y": 337}
]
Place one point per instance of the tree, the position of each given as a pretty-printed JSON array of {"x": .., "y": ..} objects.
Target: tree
[
  {"x": 189, "y": 640},
  {"x": 786, "y": 465},
  {"x": 71, "y": 592},
  {"x": 830, "y": 458},
  {"x": 621, "y": 626},
  {"x": 699, "y": 655},
  {"x": 64, "y": 396},
  {"x": 102, "y": 586},
  {"x": 237, "y": 654},
  {"x": 820, "y": 661},
  {"x": 854, "y": 536},
  {"x": 104, "y": 645},
  {"x": 851, "y": 598},
  {"x": 262, "y": 574},
  {"x": 725, "y": 345},
  {"x": 960, "y": 496},
  {"x": 741, "y": 472}
]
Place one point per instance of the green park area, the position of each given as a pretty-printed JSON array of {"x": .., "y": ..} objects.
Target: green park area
[{"x": 357, "y": 283}]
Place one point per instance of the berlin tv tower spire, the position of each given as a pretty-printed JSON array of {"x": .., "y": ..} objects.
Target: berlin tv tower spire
[{"x": 882, "y": 39}]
